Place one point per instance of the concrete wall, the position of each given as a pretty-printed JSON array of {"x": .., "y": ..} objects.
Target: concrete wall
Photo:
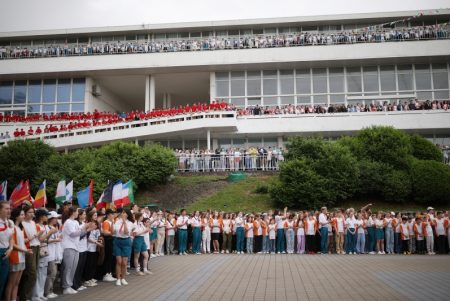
[{"x": 107, "y": 101}]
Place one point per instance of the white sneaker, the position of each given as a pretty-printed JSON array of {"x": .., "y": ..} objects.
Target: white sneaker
[
  {"x": 184, "y": 253},
  {"x": 124, "y": 282},
  {"x": 81, "y": 288},
  {"x": 118, "y": 282},
  {"x": 152, "y": 255},
  {"x": 94, "y": 280},
  {"x": 69, "y": 291},
  {"x": 52, "y": 295},
  {"x": 227, "y": 252},
  {"x": 109, "y": 278},
  {"x": 148, "y": 272},
  {"x": 140, "y": 273}
]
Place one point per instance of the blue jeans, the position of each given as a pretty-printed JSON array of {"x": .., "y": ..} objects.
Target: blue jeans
[
  {"x": 265, "y": 244},
  {"x": 360, "y": 243},
  {"x": 398, "y": 243},
  {"x": 182, "y": 240},
  {"x": 324, "y": 239},
  {"x": 4, "y": 271},
  {"x": 372, "y": 240},
  {"x": 389, "y": 239},
  {"x": 350, "y": 242},
  {"x": 280, "y": 240},
  {"x": 272, "y": 245},
  {"x": 240, "y": 239},
  {"x": 249, "y": 245},
  {"x": 196, "y": 239}
]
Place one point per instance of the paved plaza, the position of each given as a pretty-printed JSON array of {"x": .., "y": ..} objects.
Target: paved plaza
[{"x": 283, "y": 277}]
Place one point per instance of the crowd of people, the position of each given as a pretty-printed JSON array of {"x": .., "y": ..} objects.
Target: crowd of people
[
  {"x": 84, "y": 246},
  {"x": 65, "y": 122},
  {"x": 377, "y": 35},
  {"x": 232, "y": 159}
]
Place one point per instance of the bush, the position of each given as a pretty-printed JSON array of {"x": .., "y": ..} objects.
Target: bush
[
  {"x": 424, "y": 149},
  {"x": 430, "y": 182},
  {"x": 396, "y": 186},
  {"x": 22, "y": 160},
  {"x": 262, "y": 189}
]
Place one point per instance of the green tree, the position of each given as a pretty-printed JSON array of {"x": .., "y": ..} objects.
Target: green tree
[
  {"x": 424, "y": 149},
  {"x": 22, "y": 160},
  {"x": 430, "y": 182}
]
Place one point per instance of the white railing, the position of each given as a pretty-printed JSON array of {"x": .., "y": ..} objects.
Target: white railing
[{"x": 122, "y": 126}]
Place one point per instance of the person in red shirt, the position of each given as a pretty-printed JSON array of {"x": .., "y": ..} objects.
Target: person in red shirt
[
  {"x": 38, "y": 131},
  {"x": 22, "y": 133},
  {"x": 30, "y": 131},
  {"x": 16, "y": 133}
]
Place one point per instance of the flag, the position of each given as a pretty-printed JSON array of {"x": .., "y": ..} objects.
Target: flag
[
  {"x": 106, "y": 197},
  {"x": 127, "y": 193},
  {"x": 60, "y": 192},
  {"x": 91, "y": 191},
  {"x": 20, "y": 194},
  {"x": 117, "y": 194},
  {"x": 3, "y": 194},
  {"x": 41, "y": 197},
  {"x": 69, "y": 192},
  {"x": 100, "y": 204},
  {"x": 84, "y": 197}
]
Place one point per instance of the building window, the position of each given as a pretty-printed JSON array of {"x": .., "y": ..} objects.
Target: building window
[
  {"x": 253, "y": 83},
  {"x": 387, "y": 78},
  {"x": 20, "y": 92},
  {"x": 63, "y": 90},
  {"x": 49, "y": 91},
  {"x": 78, "y": 89},
  {"x": 34, "y": 91},
  {"x": 405, "y": 77},
  {"x": 354, "y": 79},
  {"x": 6, "y": 89}
]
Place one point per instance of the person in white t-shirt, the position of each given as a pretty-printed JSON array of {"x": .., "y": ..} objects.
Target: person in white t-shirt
[
  {"x": 227, "y": 229},
  {"x": 123, "y": 228},
  {"x": 171, "y": 224},
  {"x": 272, "y": 235},
  {"x": 55, "y": 252},
  {"x": 361, "y": 235},
  {"x": 300, "y": 227},
  {"x": 140, "y": 231},
  {"x": 351, "y": 224},
  {"x": 93, "y": 242},
  {"x": 6, "y": 242},
  {"x": 339, "y": 227},
  {"x": 249, "y": 234},
  {"x": 240, "y": 233}
]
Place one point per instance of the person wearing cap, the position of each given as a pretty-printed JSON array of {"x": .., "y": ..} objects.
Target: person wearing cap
[{"x": 54, "y": 254}]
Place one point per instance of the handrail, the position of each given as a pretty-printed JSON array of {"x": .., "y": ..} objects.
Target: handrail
[{"x": 269, "y": 41}]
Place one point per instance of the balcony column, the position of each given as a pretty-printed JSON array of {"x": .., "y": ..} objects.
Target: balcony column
[
  {"x": 212, "y": 87},
  {"x": 169, "y": 100},
  {"x": 208, "y": 139},
  {"x": 149, "y": 93},
  {"x": 280, "y": 141}
]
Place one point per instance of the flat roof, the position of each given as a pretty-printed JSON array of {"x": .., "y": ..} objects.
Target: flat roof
[{"x": 226, "y": 24}]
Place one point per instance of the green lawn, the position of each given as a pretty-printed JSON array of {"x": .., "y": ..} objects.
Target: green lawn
[
  {"x": 239, "y": 196},
  {"x": 196, "y": 179}
]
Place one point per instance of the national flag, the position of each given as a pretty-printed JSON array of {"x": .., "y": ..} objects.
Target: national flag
[
  {"x": 60, "y": 192},
  {"x": 127, "y": 193},
  {"x": 117, "y": 194},
  {"x": 106, "y": 197},
  {"x": 20, "y": 194},
  {"x": 84, "y": 197},
  {"x": 69, "y": 192},
  {"x": 3, "y": 194},
  {"x": 41, "y": 197}
]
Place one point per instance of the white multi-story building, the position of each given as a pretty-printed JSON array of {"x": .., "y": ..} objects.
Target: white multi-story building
[{"x": 300, "y": 61}]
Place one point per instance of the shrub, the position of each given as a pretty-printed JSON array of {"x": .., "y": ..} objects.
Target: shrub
[
  {"x": 430, "y": 182},
  {"x": 262, "y": 189},
  {"x": 424, "y": 149}
]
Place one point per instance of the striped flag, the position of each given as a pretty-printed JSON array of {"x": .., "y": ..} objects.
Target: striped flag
[
  {"x": 69, "y": 192},
  {"x": 60, "y": 192},
  {"x": 41, "y": 197},
  {"x": 3, "y": 188},
  {"x": 127, "y": 193}
]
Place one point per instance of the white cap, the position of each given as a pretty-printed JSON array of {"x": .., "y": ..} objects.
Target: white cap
[
  {"x": 430, "y": 208},
  {"x": 53, "y": 214},
  {"x": 393, "y": 213}
]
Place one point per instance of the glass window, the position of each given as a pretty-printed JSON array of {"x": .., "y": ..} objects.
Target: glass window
[
  {"x": 63, "y": 90},
  {"x": 62, "y": 108},
  {"x": 404, "y": 77},
  {"x": 424, "y": 96},
  {"x": 354, "y": 79},
  {"x": 6, "y": 89},
  {"x": 422, "y": 68},
  {"x": 423, "y": 81},
  {"x": 48, "y": 108},
  {"x": 222, "y": 76},
  {"x": 237, "y": 87},
  {"x": 304, "y": 100},
  {"x": 287, "y": 85},
  {"x": 337, "y": 98},
  {"x": 320, "y": 84},
  {"x": 440, "y": 67},
  {"x": 238, "y": 75},
  {"x": 196, "y": 34},
  {"x": 270, "y": 74},
  {"x": 222, "y": 88},
  {"x": 20, "y": 92},
  {"x": 303, "y": 81},
  {"x": 370, "y": 82},
  {"x": 253, "y": 86},
  {"x": 33, "y": 109},
  {"x": 238, "y": 102},
  {"x": 253, "y": 101},
  {"x": 441, "y": 95},
  {"x": 285, "y": 100},
  {"x": 387, "y": 78},
  {"x": 34, "y": 91},
  {"x": 49, "y": 90},
  {"x": 320, "y": 99},
  {"x": 78, "y": 87},
  {"x": 77, "y": 107},
  {"x": 270, "y": 101},
  {"x": 270, "y": 87},
  {"x": 223, "y": 143},
  {"x": 440, "y": 80},
  {"x": 336, "y": 84}
]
